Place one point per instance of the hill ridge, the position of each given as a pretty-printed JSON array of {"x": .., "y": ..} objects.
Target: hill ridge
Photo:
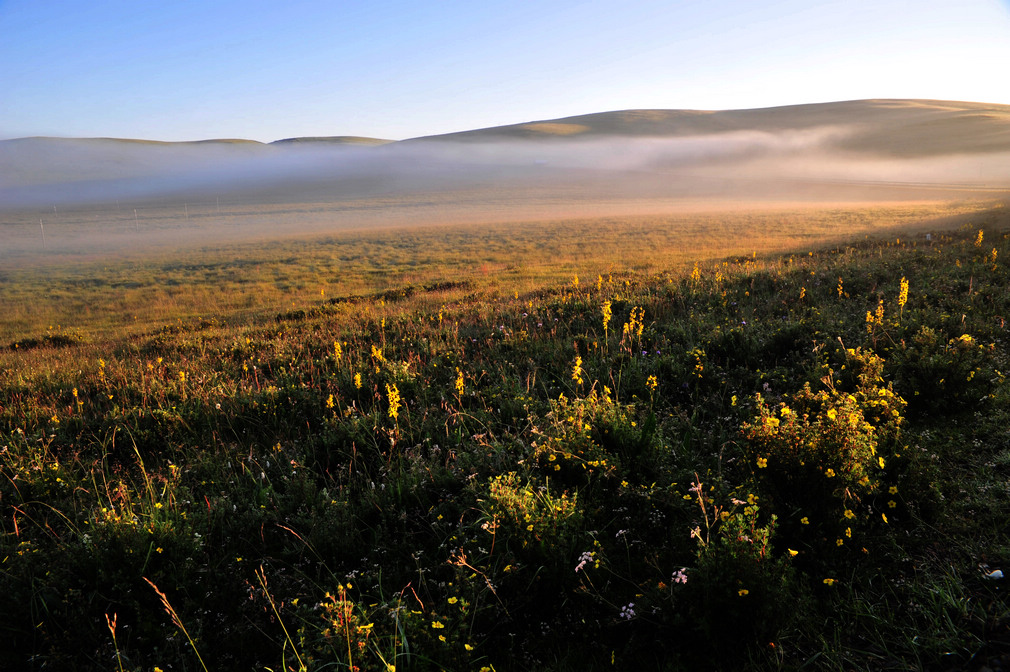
[{"x": 728, "y": 119}]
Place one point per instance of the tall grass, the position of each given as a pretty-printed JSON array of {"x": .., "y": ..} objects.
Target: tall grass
[{"x": 698, "y": 463}]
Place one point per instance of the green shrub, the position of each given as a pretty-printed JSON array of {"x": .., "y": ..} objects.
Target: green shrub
[{"x": 816, "y": 456}]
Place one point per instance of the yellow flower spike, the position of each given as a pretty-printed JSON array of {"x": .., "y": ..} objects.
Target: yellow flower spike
[
  {"x": 884, "y": 516},
  {"x": 393, "y": 394},
  {"x": 577, "y": 370}
]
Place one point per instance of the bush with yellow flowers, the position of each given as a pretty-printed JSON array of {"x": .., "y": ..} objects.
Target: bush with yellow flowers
[
  {"x": 817, "y": 455},
  {"x": 942, "y": 376},
  {"x": 589, "y": 439}
]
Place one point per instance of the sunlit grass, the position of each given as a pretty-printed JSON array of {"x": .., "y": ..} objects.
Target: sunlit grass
[
  {"x": 529, "y": 447},
  {"x": 135, "y": 292}
]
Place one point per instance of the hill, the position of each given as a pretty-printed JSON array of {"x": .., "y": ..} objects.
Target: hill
[
  {"x": 622, "y": 162},
  {"x": 334, "y": 140},
  {"x": 889, "y": 127}
]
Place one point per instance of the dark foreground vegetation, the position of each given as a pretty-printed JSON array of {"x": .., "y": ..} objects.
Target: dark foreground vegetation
[{"x": 755, "y": 463}]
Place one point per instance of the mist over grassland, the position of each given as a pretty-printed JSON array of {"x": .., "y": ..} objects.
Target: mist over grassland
[{"x": 106, "y": 194}]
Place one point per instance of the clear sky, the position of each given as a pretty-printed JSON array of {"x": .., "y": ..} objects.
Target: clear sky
[{"x": 265, "y": 70}]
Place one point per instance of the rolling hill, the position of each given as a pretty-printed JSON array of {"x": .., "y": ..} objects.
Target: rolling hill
[
  {"x": 854, "y": 150},
  {"x": 889, "y": 127}
]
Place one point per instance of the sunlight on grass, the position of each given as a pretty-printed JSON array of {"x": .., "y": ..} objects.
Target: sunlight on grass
[{"x": 634, "y": 444}]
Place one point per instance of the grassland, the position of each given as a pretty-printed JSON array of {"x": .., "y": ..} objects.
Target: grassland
[
  {"x": 125, "y": 283},
  {"x": 641, "y": 443}
]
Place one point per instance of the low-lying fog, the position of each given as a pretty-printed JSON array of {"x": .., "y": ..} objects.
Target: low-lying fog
[{"x": 90, "y": 195}]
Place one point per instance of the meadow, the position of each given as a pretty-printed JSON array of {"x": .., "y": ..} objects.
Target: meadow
[{"x": 755, "y": 439}]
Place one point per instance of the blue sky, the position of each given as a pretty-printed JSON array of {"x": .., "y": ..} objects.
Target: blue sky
[{"x": 187, "y": 70}]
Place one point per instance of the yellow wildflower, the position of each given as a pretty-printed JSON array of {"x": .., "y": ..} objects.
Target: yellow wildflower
[{"x": 393, "y": 395}]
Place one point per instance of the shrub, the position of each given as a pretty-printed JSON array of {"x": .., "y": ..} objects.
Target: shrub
[
  {"x": 816, "y": 457},
  {"x": 740, "y": 592},
  {"x": 944, "y": 377}
]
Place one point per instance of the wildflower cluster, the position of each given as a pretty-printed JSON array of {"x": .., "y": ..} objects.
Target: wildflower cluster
[
  {"x": 821, "y": 454},
  {"x": 633, "y": 327}
]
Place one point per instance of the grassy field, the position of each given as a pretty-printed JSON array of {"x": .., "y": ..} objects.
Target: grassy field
[
  {"x": 123, "y": 283},
  {"x": 773, "y": 439}
]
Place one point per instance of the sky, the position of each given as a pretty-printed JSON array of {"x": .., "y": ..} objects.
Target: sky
[{"x": 266, "y": 70}]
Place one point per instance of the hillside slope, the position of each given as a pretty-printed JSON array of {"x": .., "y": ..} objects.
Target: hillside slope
[
  {"x": 894, "y": 127},
  {"x": 636, "y": 154}
]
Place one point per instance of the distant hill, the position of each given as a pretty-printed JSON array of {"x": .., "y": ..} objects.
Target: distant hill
[
  {"x": 646, "y": 153},
  {"x": 333, "y": 140},
  {"x": 898, "y": 127}
]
